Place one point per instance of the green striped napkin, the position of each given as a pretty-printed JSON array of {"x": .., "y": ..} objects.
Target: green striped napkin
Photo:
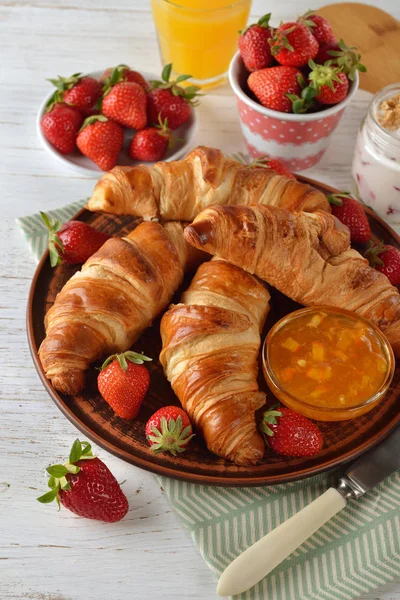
[{"x": 356, "y": 552}]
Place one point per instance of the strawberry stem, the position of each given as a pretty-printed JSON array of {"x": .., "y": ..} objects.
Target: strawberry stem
[
  {"x": 371, "y": 254},
  {"x": 55, "y": 245},
  {"x": 269, "y": 418},
  {"x": 172, "y": 438},
  {"x": 337, "y": 199},
  {"x": 130, "y": 356},
  {"x": 189, "y": 93}
]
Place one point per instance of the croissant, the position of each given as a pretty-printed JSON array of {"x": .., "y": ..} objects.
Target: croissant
[
  {"x": 307, "y": 256},
  {"x": 210, "y": 351},
  {"x": 104, "y": 307},
  {"x": 181, "y": 189}
]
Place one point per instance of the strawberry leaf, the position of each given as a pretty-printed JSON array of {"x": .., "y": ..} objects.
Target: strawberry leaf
[
  {"x": 166, "y": 72},
  {"x": 57, "y": 471},
  {"x": 76, "y": 452},
  {"x": 48, "y": 496}
]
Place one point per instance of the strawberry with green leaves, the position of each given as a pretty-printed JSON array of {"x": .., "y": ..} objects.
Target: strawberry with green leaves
[
  {"x": 168, "y": 100},
  {"x": 351, "y": 213},
  {"x": 273, "y": 86},
  {"x": 169, "y": 430},
  {"x": 86, "y": 486},
  {"x": 386, "y": 259},
  {"x": 330, "y": 83},
  {"x": 101, "y": 140},
  {"x": 347, "y": 58},
  {"x": 319, "y": 27},
  {"x": 123, "y": 382},
  {"x": 151, "y": 143},
  {"x": 290, "y": 434},
  {"x": 254, "y": 46},
  {"x": 114, "y": 75},
  {"x": 293, "y": 44},
  {"x": 265, "y": 162},
  {"x": 60, "y": 125},
  {"x": 78, "y": 91},
  {"x": 72, "y": 242}
]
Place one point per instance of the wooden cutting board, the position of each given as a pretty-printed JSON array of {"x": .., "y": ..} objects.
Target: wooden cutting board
[{"x": 377, "y": 36}]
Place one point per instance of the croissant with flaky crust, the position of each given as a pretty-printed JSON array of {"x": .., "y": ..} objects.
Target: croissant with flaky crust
[
  {"x": 104, "y": 307},
  {"x": 181, "y": 189},
  {"x": 210, "y": 350},
  {"x": 307, "y": 256}
]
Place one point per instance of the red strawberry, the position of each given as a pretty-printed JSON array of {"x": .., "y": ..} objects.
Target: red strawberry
[
  {"x": 290, "y": 434},
  {"x": 324, "y": 52},
  {"x": 271, "y": 86},
  {"x": 319, "y": 27},
  {"x": 86, "y": 486},
  {"x": 123, "y": 382},
  {"x": 386, "y": 259},
  {"x": 152, "y": 143},
  {"x": 101, "y": 140},
  {"x": 293, "y": 44},
  {"x": 72, "y": 243},
  {"x": 254, "y": 47},
  {"x": 265, "y": 162},
  {"x": 125, "y": 103},
  {"x": 330, "y": 83},
  {"x": 114, "y": 75},
  {"x": 169, "y": 430},
  {"x": 351, "y": 213},
  {"x": 78, "y": 91},
  {"x": 168, "y": 100},
  {"x": 60, "y": 127}
]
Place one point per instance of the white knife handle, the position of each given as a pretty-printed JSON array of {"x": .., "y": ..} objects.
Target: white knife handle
[{"x": 266, "y": 554}]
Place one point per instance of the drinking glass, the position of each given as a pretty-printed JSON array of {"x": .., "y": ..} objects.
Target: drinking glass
[{"x": 199, "y": 37}]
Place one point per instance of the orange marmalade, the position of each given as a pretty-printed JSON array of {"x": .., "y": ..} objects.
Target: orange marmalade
[{"x": 328, "y": 364}]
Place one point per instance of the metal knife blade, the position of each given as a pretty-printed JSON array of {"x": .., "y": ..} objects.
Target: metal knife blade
[{"x": 372, "y": 467}]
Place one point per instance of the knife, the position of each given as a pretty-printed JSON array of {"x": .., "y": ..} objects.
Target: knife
[{"x": 266, "y": 554}]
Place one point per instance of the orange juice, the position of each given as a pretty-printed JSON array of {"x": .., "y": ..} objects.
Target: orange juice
[{"x": 199, "y": 37}]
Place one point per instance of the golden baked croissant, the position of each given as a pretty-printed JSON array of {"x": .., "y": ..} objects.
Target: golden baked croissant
[
  {"x": 104, "y": 307},
  {"x": 210, "y": 352},
  {"x": 307, "y": 256},
  {"x": 181, "y": 189}
]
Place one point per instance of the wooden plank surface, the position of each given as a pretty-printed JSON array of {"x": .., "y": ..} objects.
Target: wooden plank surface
[{"x": 45, "y": 555}]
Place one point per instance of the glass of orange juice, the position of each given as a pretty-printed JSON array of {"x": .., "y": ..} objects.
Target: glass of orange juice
[{"x": 199, "y": 37}]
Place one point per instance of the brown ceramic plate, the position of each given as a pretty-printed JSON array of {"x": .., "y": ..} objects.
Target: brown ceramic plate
[{"x": 94, "y": 418}]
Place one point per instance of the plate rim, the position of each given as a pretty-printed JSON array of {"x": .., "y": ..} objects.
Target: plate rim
[
  {"x": 234, "y": 480},
  {"x": 96, "y": 172}
]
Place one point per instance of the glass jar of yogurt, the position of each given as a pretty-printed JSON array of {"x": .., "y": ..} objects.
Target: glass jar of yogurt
[{"x": 376, "y": 164}]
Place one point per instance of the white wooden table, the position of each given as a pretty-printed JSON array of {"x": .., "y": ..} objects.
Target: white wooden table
[{"x": 44, "y": 554}]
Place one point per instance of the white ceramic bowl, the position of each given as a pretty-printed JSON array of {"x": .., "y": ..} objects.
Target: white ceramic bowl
[
  {"x": 299, "y": 141},
  {"x": 81, "y": 164}
]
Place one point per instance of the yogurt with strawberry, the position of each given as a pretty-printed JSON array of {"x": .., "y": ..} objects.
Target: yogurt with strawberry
[{"x": 376, "y": 165}]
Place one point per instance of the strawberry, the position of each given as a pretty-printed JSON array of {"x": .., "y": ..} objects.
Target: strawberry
[
  {"x": 386, "y": 259},
  {"x": 123, "y": 382},
  {"x": 265, "y": 162},
  {"x": 324, "y": 53},
  {"x": 78, "y": 91},
  {"x": 330, "y": 83},
  {"x": 254, "y": 47},
  {"x": 293, "y": 44},
  {"x": 101, "y": 140},
  {"x": 60, "y": 126},
  {"x": 114, "y": 75},
  {"x": 152, "y": 143},
  {"x": 125, "y": 103},
  {"x": 319, "y": 27},
  {"x": 290, "y": 434},
  {"x": 86, "y": 486},
  {"x": 72, "y": 243},
  {"x": 271, "y": 86},
  {"x": 168, "y": 100},
  {"x": 351, "y": 213},
  {"x": 347, "y": 58},
  {"x": 169, "y": 430}
]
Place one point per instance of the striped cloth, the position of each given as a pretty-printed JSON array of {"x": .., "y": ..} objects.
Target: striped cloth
[{"x": 356, "y": 552}]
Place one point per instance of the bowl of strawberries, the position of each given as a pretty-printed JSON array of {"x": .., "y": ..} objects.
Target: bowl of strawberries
[
  {"x": 292, "y": 84},
  {"x": 94, "y": 122}
]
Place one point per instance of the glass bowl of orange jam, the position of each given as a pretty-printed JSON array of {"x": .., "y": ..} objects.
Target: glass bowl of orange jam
[{"x": 327, "y": 363}]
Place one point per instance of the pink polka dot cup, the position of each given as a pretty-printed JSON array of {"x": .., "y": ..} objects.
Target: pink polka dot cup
[{"x": 298, "y": 140}]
